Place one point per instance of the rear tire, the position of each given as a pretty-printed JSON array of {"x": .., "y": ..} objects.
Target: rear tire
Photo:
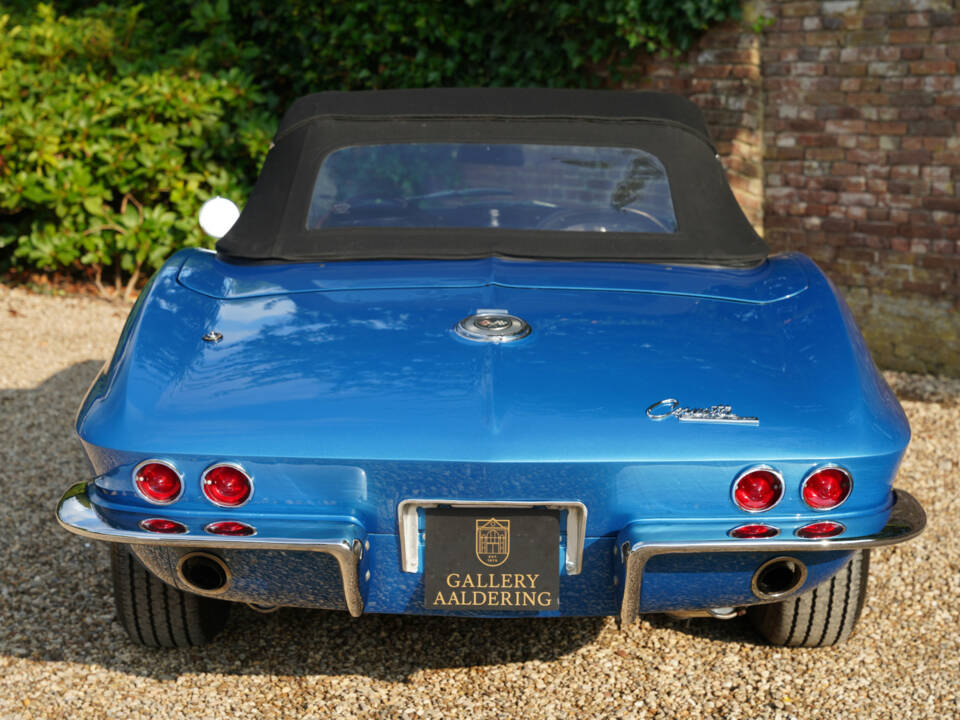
[
  {"x": 820, "y": 617},
  {"x": 156, "y": 614}
]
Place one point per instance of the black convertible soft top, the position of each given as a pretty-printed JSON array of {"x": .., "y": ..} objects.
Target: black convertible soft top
[{"x": 711, "y": 228}]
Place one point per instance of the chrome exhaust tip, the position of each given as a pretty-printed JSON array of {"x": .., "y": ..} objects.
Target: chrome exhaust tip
[
  {"x": 779, "y": 577},
  {"x": 204, "y": 573}
]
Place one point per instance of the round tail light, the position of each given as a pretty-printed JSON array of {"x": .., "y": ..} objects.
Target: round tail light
[
  {"x": 753, "y": 532},
  {"x": 227, "y": 485},
  {"x": 157, "y": 482},
  {"x": 162, "y": 525},
  {"x": 230, "y": 527},
  {"x": 820, "y": 530},
  {"x": 826, "y": 488},
  {"x": 758, "y": 489}
]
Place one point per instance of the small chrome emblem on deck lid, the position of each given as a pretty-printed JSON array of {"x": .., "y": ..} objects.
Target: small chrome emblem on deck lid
[
  {"x": 492, "y": 326},
  {"x": 713, "y": 414}
]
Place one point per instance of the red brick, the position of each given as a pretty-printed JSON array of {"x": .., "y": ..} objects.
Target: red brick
[
  {"x": 837, "y": 129},
  {"x": 934, "y": 52},
  {"x": 837, "y": 226},
  {"x": 844, "y": 168},
  {"x": 866, "y": 156},
  {"x": 828, "y": 154},
  {"x": 799, "y": 9},
  {"x": 913, "y": 99},
  {"x": 944, "y": 19},
  {"x": 933, "y": 67},
  {"x": 877, "y": 228},
  {"x": 942, "y": 203},
  {"x": 910, "y": 157},
  {"x": 886, "y": 128},
  {"x": 947, "y": 34},
  {"x": 943, "y": 128},
  {"x": 911, "y": 36}
]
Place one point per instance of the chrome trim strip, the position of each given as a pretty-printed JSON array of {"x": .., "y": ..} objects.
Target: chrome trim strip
[
  {"x": 814, "y": 471},
  {"x": 409, "y": 527},
  {"x": 907, "y": 520},
  {"x": 76, "y": 513},
  {"x": 752, "y": 469},
  {"x": 167, "y": 464}
]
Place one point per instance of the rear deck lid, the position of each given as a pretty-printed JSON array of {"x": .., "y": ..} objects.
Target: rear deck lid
[{"x": 776, "y": 278}]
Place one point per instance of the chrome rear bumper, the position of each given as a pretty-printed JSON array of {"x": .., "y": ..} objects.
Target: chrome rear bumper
[
  {"x": 907, "y": 520},
  {"x": 347, "y": 542},
  {"x": 344, "y": 541}
]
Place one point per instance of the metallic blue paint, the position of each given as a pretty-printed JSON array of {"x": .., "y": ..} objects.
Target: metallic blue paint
[{"x": 343, "y": 390}]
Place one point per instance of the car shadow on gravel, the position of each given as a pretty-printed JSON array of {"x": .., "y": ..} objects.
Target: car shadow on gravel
[
  {"x": 736, "y": 630},
  {"x": 56, "y": 599}
]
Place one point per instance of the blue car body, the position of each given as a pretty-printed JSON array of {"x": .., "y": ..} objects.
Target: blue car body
[{"x": 345, "y": 392}]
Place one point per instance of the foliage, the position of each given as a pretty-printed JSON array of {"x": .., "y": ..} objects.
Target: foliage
[
  {"x": 117, "y": 122},
  {"x": 108, "y": 145},
  {"x": 300, "y": 46}
]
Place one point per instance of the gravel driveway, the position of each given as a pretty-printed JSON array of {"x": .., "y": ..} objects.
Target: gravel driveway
[{"x": 63, "y": 654}]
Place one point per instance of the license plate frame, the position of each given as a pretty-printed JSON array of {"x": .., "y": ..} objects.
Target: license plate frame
[{"x": 485, "y": 559}]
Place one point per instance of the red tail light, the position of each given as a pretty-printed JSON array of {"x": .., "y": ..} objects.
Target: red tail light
[
  {"x": 820, "y": 530},
  {"x": 227, "y": 485},
  {"x": 230, "y": 527},
  {"x": 826, "y": 488},
  {"x": 162, "y": 525},
  {"x": 758, "y": 489},
  {"x": 748, "y": 532},
  {"x": 157, "y": 481}
]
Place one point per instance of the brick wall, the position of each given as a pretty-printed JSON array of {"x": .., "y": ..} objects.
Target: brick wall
[
  {"x": 862, "y": 163},
  {"x": 840, "y": 128},
  {"x": 722, "y": 75}
]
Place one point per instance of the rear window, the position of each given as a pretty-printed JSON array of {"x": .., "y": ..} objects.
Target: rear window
[{"x": 479, "y": 185}]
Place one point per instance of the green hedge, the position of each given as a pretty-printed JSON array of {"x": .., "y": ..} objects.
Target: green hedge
[
  {"x": 110, "y": 144},
  {"x": 116, "y": 123},
  {"x": 301, "y": 46}
]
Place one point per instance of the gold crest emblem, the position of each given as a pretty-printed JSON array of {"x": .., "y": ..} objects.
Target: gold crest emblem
[{"x": 493, "y": 541}]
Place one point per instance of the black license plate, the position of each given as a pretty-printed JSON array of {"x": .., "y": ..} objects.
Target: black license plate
[{"x": 491, "y": 559}]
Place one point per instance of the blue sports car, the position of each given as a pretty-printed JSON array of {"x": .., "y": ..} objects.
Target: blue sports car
[{"x": 491, "y": 353}]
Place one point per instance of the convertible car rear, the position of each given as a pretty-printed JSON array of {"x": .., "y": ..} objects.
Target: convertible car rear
[{"x": 497, "y": 354}]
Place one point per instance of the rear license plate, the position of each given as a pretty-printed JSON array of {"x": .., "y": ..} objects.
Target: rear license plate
[{"x": 491, "y": 559}]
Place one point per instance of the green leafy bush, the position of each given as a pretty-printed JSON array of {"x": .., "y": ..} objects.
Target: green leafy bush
[
  {"x": 116, "y": 123},
  {"x": 108, "y": 145},
  {"x": 300, "y": 46}
]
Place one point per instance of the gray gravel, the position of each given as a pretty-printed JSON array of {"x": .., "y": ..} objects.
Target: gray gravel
[{"x": 63, "y": 654}]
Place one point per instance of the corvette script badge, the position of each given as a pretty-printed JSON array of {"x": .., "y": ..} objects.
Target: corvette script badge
[{"x": 713, "y": 414}]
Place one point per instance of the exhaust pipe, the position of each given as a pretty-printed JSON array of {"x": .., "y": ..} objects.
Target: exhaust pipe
[
  {"x": 204, "y": 573},
  {"x": 778, "y": 578}
]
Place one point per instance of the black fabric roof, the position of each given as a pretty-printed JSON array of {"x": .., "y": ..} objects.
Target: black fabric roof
[
  {"x": 493, "y": 102},
  {"x": 712, "y": 229}
]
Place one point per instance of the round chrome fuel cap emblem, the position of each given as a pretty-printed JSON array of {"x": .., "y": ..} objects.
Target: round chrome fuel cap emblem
[{"x": 492, "y": 326}]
